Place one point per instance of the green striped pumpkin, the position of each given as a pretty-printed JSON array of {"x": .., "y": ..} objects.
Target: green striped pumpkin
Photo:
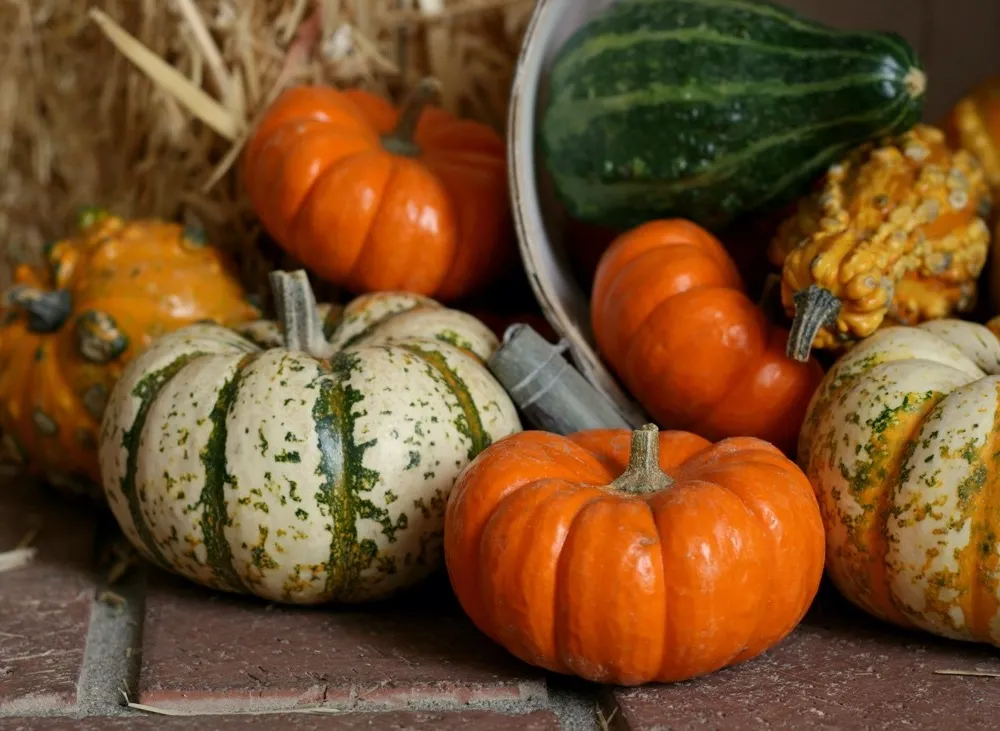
[
  {"x": 303, "y": 469},
  {"x": 710, "y": 109}
]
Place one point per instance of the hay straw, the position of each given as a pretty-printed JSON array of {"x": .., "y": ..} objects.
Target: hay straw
[
  {"x": 142, "y": 106},
  {"x": 16, "y": 558},
  {"x": 21, "y": 555}
]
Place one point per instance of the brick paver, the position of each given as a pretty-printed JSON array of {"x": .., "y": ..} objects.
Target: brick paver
[
  {"x": 415, "y": 662},
  {"x": 838, "y": 670},
  {"x": 205, "y": 651},
  {"x": 395, "y": 721},
  {"x": 44, "y": 605}
]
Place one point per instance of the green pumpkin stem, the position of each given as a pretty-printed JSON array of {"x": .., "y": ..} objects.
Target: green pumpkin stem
[
  {"x": 815, "y": 308},
  {"x": 297, "y": 316},
  {"x": 643, "y": 474},
  {"x": 401, "y": 140},
  {"x": 47, "y": 311}
]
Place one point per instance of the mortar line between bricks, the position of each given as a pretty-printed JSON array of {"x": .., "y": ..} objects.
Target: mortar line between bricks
[
  {"x": 534, "y": 698},
  {"x": 113, "y": 650},
  {"x": 575, "y": 702},
  {"x": 612, "y": 710}
]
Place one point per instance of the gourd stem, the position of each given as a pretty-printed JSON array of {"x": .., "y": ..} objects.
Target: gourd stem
[
  {"x": 915, "y": 82},
  {"x": 643, "y": 474},
  {"x": 47, "y": 310},
  {"x": 400, "y": 141},
  {"x": 297, "y": 316},
  {"x": 815, "y": 308}
]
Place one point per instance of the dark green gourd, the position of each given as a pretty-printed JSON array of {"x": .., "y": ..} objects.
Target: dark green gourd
[{"x": 711, "y": 109}]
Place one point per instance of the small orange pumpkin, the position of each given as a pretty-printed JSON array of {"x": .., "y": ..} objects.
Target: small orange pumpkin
[
  {"x": 632, "y": 558},
  {"x": 67, "y": 332},
  {"x": 671, "y": 317},
  {"x": 372, "y": 199}
]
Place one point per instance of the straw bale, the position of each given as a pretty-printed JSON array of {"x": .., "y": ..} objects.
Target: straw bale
[{"x": 82, "y": 124}]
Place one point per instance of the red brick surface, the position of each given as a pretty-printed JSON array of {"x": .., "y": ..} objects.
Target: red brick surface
[
  {"x": 838, "y": 670},
  {"x": 390, "y": 721},
  {"x": 417, "y": 663},
  {"x": 210, "y": 652},
  {"x": 45, "y": 605}
]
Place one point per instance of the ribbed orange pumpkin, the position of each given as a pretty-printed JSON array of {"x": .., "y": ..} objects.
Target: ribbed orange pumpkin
[
  {"x": 67, "y": 332},
  {"x": 629, "y": 558},
  {"x": 672, "y": 319},
  {"x": 373, "y": 199}
]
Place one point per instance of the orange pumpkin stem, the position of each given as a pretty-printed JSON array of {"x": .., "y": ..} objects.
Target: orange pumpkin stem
[
  {"x": 815, "y": 308},
  {"x": 643, "y": 474},
  {"x": 297, "y": 315},
  {"x": 401, "y": 140}
]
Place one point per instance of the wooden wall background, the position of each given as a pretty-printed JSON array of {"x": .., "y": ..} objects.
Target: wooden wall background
[{"x": 958, "y": 40}]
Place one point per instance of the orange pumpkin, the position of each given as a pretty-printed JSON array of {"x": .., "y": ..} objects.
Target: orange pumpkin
[
  {"x": 67, "y": 331},
  {"x": 636, "y": 558},
  {"x": 373, "y": 199},
  {"x": 671, "y": 317}
]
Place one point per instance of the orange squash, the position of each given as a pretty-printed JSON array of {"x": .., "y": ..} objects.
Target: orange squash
[
  {"x": 895, "y": 234},
  {"x": 671, "y": 317},
  {"x": 632, "y": 558},
  {"x": 973, "y": 125},
  {"x": 67, "y": 331},
  {"x": 373, "y": 199}
]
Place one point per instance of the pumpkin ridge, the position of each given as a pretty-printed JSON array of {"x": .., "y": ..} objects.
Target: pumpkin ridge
[
  {"x": 215, "y": 515},
  {"x": 307, "y": 202},
  {"x": 561, "y": 600},
  {"x": 984, "y": 602},
  {"x": 469, "y": 424},
  {"x": 367, "y": 245},
  {"x": 893, "y": 468},
  {"x": 373, "y": 326},
  {"x": 344, "y": 474},
  {"x": 688, "y": 423},
  {"x": 146, "y": 391},
  {"x": 662, "y": 303}
]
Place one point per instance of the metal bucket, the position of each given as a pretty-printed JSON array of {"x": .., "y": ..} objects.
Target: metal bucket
[
  {"x": 960, "y": 52},
  {"x": 539, "y": 218}
]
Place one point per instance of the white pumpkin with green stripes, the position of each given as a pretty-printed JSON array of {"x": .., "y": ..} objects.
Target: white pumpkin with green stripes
[
  {"x": 304, "y": 469},
  {"x": 901, "y": 443}
]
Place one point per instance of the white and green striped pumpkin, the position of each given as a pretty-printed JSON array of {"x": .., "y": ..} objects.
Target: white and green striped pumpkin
[
  {"x": 901, "y": 444},
  {"x": 302, "y": 469}
]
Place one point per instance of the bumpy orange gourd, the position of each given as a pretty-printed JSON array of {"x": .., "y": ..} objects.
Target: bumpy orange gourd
[
  {"x": 67, "y": 331},
  {"x": 632, "y": 558},
  {"x": 973, "y": 124},
  {"x": 671, "y": 318},
  {"x": 896, "y": 233},
  {"x": 373, "y": 199}
]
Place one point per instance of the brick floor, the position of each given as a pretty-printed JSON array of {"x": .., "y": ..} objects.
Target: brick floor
[
  {"x": 418, "y": 721},
  {"x": 243, "y": 652},
  {"x": 413, "y": 663},
  {"x": 44, "y": 605},
  {"x": 838, "y": 670}
]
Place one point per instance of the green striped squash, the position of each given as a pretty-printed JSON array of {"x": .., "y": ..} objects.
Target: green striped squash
[
  {"x": 711, "y": 109},
  {"x": 301, "y": 468}
]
